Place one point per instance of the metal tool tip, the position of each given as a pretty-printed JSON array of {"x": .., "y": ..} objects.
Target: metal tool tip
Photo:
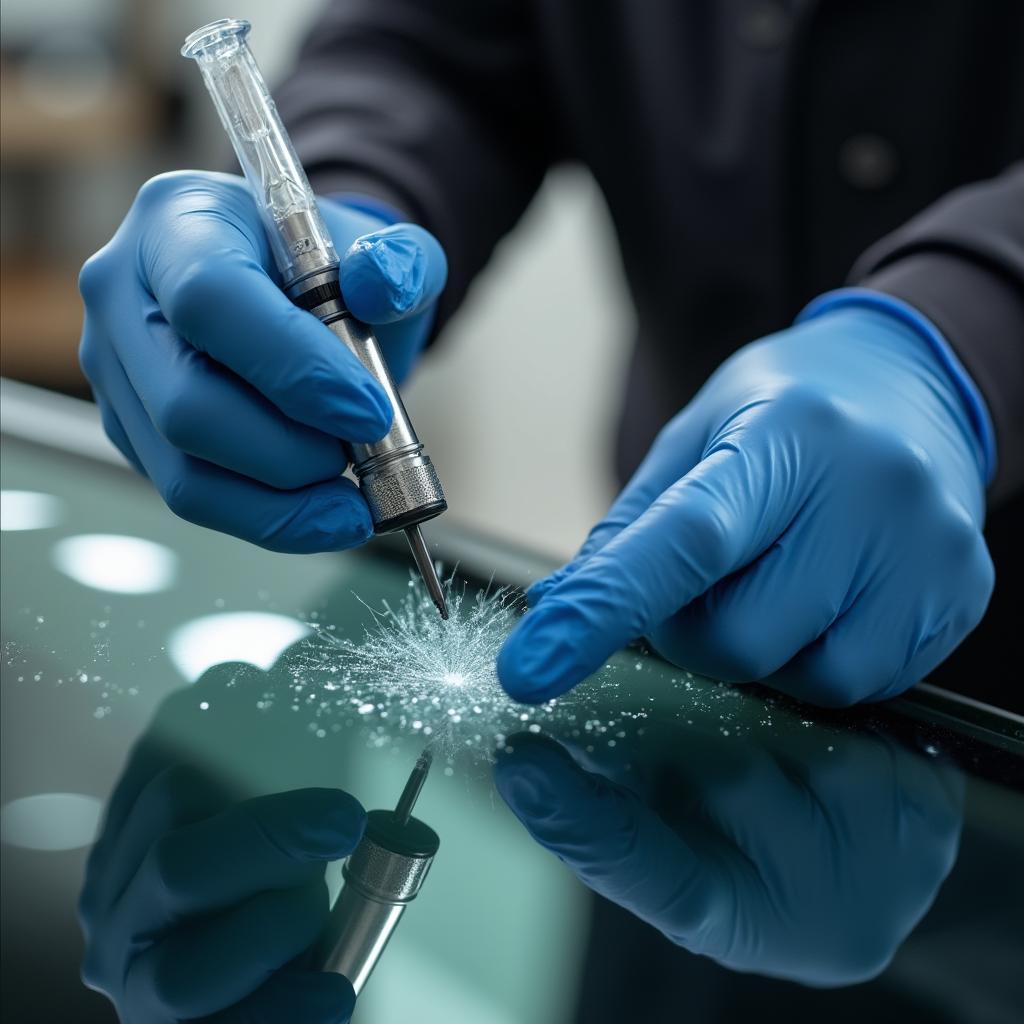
[
  {"x": 406, "y": 802},
  {"x": 427, "y": 570}
]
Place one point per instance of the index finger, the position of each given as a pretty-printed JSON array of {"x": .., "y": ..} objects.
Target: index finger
[
  {"x": 710, "y": 523},
  {"x": 208, "y": 278},
  {"x": 614, "y": 844},
  {"x": 272, "y": 842}
]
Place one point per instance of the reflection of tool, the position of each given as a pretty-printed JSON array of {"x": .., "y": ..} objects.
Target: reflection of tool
[
  {"x": 396, "y": 477},
  {"x": 382, "y": 876}
]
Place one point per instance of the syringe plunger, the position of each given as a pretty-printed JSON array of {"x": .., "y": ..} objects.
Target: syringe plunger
[{"x": 297, "y": 234}]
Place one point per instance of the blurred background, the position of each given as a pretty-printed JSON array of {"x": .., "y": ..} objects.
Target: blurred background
[{"x": 96, "y": 99}]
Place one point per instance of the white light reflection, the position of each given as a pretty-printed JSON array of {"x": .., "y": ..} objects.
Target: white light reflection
[
  {"x": 50, "y": 821},
  {"x": 123, "y": 565},
  {"x": 259, "y": 638},
  {"x": 29, "y": 510}
]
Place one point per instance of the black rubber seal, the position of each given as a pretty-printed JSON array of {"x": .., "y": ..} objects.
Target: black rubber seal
[
  {"x": 413, "y": 839},
  {"x": 319, "y": 295},
  {"x": 412, "y": 518}
]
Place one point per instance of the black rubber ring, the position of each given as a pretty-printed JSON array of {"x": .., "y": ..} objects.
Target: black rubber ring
[
  {"x": 411, "y": 518},
  {"x": 319, "y": 295}
]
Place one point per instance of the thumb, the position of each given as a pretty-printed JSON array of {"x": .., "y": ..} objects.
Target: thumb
[
  {"x": 713, "y": 521},
  {"x": 392, "y": 274},
  {"x": 312, "y": 997},
  {"x": 268, "y": 843}
]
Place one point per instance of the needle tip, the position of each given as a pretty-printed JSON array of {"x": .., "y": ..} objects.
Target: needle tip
[
  {"x": 426, "y": 568},
  {"x": 406, "y": 802}
]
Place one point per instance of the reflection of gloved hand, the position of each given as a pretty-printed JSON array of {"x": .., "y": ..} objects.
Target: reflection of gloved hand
[
  {"x": 812, "y": 868},
  {"x": 195, "y": 907},
  {"x": 813, "y": 518},
  {"x": 207, "y": 882},
  {"x": 228, "y": 397}
]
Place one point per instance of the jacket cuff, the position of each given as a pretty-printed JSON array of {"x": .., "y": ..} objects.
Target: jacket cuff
[
  {"x": 974, "y": 403},
  {"x": 365, "y": 192},
  {"x": 370, "y": 205},
  {"x": 980, "y": 313}
]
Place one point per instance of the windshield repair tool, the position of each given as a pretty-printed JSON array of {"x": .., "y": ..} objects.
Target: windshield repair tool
[
  {"x": 382, "y": 877},
  {"x": 395, "y": 475}
]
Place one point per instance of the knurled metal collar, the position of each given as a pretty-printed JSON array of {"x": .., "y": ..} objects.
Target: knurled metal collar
[
  {"x": 402, "y": 487},
  {"x": 394, "y": 872}
]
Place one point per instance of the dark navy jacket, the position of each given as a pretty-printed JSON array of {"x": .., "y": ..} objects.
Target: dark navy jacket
[{"x": 753, "y": 154}]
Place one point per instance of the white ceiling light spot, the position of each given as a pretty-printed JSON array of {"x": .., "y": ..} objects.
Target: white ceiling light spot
[
  {"x": 258, "y": 638},
  {"x": 29, "y": 510},
  {"x": 51, "y": 821},
  {"x": 123, "y": 565}
]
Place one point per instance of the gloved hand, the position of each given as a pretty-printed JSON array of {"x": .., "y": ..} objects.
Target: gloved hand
[
  {"x": 196, "y": 907},
  {"x": 214, "y": 385},
  {"x": 812, "y": 518},
  {"x": 811, "y": 865}
]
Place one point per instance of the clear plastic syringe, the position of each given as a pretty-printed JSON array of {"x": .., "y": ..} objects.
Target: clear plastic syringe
[{"x": 395, "y": 475}]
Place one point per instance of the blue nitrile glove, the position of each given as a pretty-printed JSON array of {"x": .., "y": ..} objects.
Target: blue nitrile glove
[
  {"x": 214, "y": 385},
  {"x": 199, "y": 908},
  {"x": 812, "y": 518},
  {"x": 811, "y": 865}
]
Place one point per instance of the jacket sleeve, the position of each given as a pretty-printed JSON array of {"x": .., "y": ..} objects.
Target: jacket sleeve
[
  {"x": 433, "y": 107},
  {"x": 961, "y": 263}
]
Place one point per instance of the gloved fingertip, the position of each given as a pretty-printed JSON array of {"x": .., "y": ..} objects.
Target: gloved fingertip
[
  {"x": 515, "y": 680},
  {"x": 336, "y": 519},
  {"x": 315, "y": 997},
  {"x": 350, "y": 535},
  {"x": 371, "y": 418},
  {"x": 330, "y": 999},
  {"x": 528, "y": 748},
  {"x": 353, "y": 527},
  {"x": 345, "y": 818},
  {"x": 336, "y": 997},
  {"x": 387, "y": 275},
  {"x": 546, "y": 789},
  {"x": 529, "y": 664},
  {"x": 526, "y": 788},
  {"x": 323, "y": 824}
]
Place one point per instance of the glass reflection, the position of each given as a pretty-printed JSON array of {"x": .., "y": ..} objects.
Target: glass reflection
[
  {"x": 50, "y": 821},
  {"x": 121, "y": 565},
  {"x": 804, "y": 860},
  {"x": 258, "y": 638},
  {"x": 29, "y": 510},
  {"x": 801, "y": 855},
  {"x": 207, "y": 889}
]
